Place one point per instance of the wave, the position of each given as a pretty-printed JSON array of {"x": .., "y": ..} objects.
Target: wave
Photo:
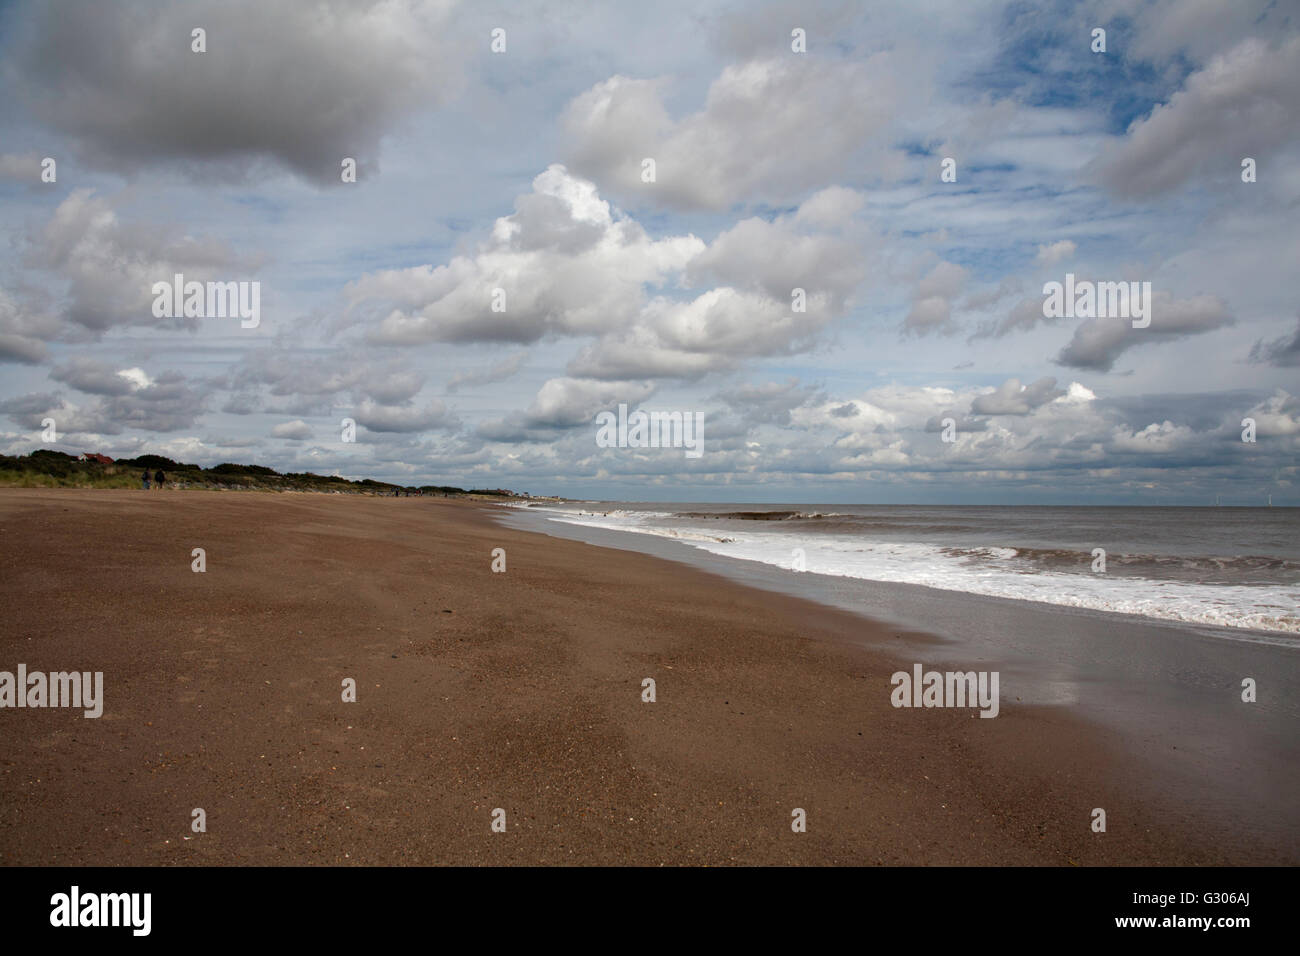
[
  {"x": 1237, "y": 568},
  {"x": 1158, "y": 586},
  {"x": 757, "y": 515}
]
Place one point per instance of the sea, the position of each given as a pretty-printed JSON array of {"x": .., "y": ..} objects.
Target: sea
[{"x": 1226, "y": 568}]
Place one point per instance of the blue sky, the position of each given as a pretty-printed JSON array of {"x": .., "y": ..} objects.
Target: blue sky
[{"x": 775, "y": 169}]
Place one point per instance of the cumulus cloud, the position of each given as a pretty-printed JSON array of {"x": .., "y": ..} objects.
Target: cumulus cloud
[
  {"x": 1278, "y": 416},
  {"x": 776, "y": 127},
  {"x": 715, "y": 331},
  {"x": 1156, "y": 438},
  {"x": 1097, "y": 343},
  {"x": 390, "y": 418},
  {"x": 1244, "y": 102},
  {"x": 1012, "y": 398},
  {"x": 110, "y": 266},
  {"x": 297, "y": 85},
  {"x": 592, "y": 280},
  {"x": 297, "y": 430},
  {"x": 565, "y": 265},
  {"x": 779, "y": 256},
  {"x": 98, "y": 378},
  {"x": 168, "y": 404}
]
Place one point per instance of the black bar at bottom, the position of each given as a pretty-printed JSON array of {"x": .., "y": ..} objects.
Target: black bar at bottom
[{"x": 622, "y": 907}]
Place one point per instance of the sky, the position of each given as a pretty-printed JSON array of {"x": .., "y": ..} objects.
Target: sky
[{"x": 506, "y": 266}]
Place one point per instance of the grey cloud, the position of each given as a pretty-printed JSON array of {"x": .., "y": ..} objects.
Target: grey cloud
[
  {"x": 111, "y": 266},
  {"x": 294, "y": 431},
  {"x": 387, "y": 418},
  {"x": 770, "y": 403},
  {"x": 27, "y": 409},
  {"x": 929, "y": 315},
  {"x": 91, "y": 376},
  {"x": 298, "y": 85},
  {"x": 1283, "y": 352},
  {"x": 1245, "y": 102},
  {"x": 20, "y": 168},
  {"x": 24, "y": 331},
  {"x": 1097, "y": 343},
  {"x": 1012, "y": 398},
  {"x": 563, "y": 404},
  {"x": 22, "y": 349},
  {"x": 169, "y": 404}
]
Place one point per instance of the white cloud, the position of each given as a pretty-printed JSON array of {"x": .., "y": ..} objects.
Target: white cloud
[
  {"x": 776, "y": 127},
  {"x": 1052, "y": 253},
  {"x": 564, "y": 264}
]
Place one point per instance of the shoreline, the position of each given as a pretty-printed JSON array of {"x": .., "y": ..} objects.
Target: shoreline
[
  {"x": 519, "y": 690},
  {"x": 1169, "y": 689},
  {"x": 665, "y": 541}
]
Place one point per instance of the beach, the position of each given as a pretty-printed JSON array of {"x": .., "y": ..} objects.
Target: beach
[{"x": 519, "y": 690}]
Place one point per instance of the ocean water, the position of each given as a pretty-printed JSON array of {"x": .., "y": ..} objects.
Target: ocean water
[{"x": 1222, "y": 567}]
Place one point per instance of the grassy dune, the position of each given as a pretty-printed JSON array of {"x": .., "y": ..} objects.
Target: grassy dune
[{"x": 54, "y": 469}]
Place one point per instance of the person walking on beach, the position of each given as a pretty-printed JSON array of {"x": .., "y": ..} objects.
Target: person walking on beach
[
  {"x": 159, "y": 478},
  {"x": 144, "y": 478}
]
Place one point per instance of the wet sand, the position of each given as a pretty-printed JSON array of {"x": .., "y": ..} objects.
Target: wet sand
[{"x": 519, "y": 690}]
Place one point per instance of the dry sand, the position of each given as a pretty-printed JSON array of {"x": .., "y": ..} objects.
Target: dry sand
[{"x": 479, "y": 690}]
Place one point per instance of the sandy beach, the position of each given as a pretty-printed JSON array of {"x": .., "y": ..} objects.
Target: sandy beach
[{"x": 519, "y": 690}]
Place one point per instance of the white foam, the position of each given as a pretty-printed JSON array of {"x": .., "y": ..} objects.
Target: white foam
[{"x": 1263, "y": 608}]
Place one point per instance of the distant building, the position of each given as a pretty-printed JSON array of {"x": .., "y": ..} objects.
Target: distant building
[{"x": 91, "y": 456}]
